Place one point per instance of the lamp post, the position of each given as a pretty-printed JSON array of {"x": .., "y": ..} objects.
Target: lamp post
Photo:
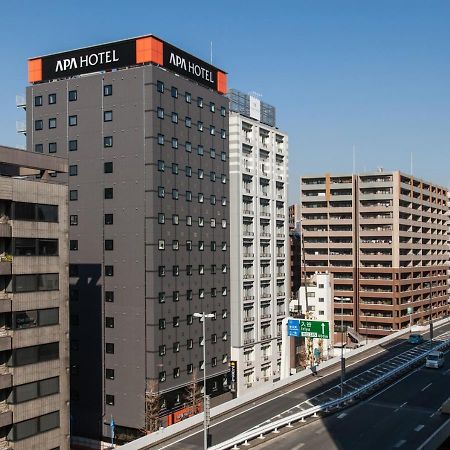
[
  {"x": 341, "y": 300},
  {"x": 204, "y": 316}
]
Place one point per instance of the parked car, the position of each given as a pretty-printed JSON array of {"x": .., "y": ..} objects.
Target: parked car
[
  {"x": 434, "y": 360},
  {"x": 415, "y": 339}
]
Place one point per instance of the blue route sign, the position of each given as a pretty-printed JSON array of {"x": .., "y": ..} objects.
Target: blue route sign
[{"x": 293, "y": 328}]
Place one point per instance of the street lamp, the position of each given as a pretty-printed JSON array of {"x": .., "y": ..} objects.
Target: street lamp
[
  {"x": 431, "y": 313},
  {"x": 341, "y": 300},
  {"x": 204, "y": 316}
]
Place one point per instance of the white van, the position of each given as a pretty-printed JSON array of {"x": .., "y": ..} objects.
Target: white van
[{"x": 434, "y": 360}]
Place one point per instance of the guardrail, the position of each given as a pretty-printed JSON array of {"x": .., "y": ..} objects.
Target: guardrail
[{"x": 243, "y": 438}]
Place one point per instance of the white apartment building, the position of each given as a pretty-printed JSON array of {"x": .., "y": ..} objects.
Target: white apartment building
[{"x": 259, "y": 267}]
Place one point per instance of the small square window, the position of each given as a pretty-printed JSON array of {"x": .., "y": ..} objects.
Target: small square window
[
  {"x": 175, "y": 244},
  {"x": 161, "y": 218},
  {"x": 73, "y": 145},
  {"x": 224, "y": 336},
  {"x": 223, "y": 179},
  {"x": 174, "y": 143},
  {"x": 188, "y": 97},
  {"x": 108, "y": 167},
  {"x": 160, "y": 139},
  {"x": 212, "y": 176},
  {"x": 201, "y": 197},
  {"x": 223, "y": 111},
  {"x": 175, "y": 194},
  {"x": 223, "y": 134},
  {"x": 190, "y": 344},
  {"x": 161, "y": 244},
  {"x": 188, "y": 147},
  {"x": 162, "y": 324},
  {"x": 224, "y": 223},
  {"x": 189, "y": 319},
  {"x": 162, "y": 271},
  {"x": 73, "y": 96},
  {"x": 188, "y": 122},
  {"x": 52, "y": 123},
  {"x": 199, "y": 102},
  {"x": 188, "y": 196},
  {"x": 175, "y": 219},
  {"x": 189, "y": 270},
  {"x": 189, "y": 246},
  {"x": 109, "y": 399},
  {"x": 109, "y": 322},
  {"x": 162, "y": 350},
  {"x": 51, "y": 99},
  {"x": 38, "y": 100},
  {"x": 201, "y": 222},
  {"x": 162, "y": 376},
  {"x": 224, "y": 291},
  {"x": 200, "y": 150},
  {"x": 109, "y": 374},
  {"x": 108, "y": 141},
  {"x": 176, "y": 347},
  {"x": 214, "y": 361},
  {"x": 161, "y": 192},
  {"x": 200, "y": 174},
  {"x": 213, "y": 246},
  {"x": 212, "y": 153},
  {"x": 224, "y": 358},
  {"x": 223, "y": 156},
  {"x": 175, "y": 271},
  {"x": 176, "y": 321},
  {"x": 189, "y": 221},
  {"x": 160, "y": 86},
  {"x": 174, "y": 92},
  {"x": 39, "y": 148},
  {"x": 161, "y": 297},
  {"x": 73, "y": 170},
  {"x": 38, "y": 125},
  {"x": 212, "y": 199},
  {"x": 190, "y": 368},
  {"x": 73, "y": 220},
  {"x": 109, "y": 348},
  {"x": 109, "y": 244},
  {"x": 212, "y": 107},
  {"x": 213, "y": 222},
  {"x": 189, "y": 294},
  {"x": 109, "y": 296},
  {"x": 161, "y": 166},
  {"x": 108, "y": 193},
  {"x": 107, "y": 90},
  {"x": 107, "y": 116},
  {"x": 160, "y": 112},
  {"x": 174, "y": 117},
  {"x": 224, "y": 313},
  {"x": 212, "y": 130},
  {"x": 73, "y": 245},
  {"x": 109, "y": 271},
  {"x": 224, "y": 201},
  {"x": 199, "y": 126},
  {"x": 224, "y": 246},
  {"x": 201, "y": 293},
  {"x": 213, "y": 269},
  {"x": 73, "y": 121},
  {"x": 188, "y": 171},
  {"x": 73, "y": 195}
]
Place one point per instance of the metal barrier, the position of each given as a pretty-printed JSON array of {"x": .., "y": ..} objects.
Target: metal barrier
[{"x": 260, "y": 431}]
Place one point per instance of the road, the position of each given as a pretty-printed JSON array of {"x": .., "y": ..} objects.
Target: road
[
  {"x": 402, "y": 416},
  {"x": 268, "y": 407}
]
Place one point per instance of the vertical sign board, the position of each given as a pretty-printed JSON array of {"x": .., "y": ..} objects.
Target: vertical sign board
[
  {"x": 233, "y": 375},
  {"x": 294, "y": 327}
]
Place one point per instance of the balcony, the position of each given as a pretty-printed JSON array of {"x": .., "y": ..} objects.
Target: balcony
[
  {"x": 249, "y": 341},
  {"x": 249, "y": 319},
  {"x": 265, "y": 337},
  {"x": 265, "y": 295},
  {"x": 21, "y": 127},
  {"x": 266, "y": 316},
  {"x": 5, "y": 415},
  {"x": 248, "y": 276},
  {"x": 248, "y": 255},
  {"x": 248, "y": 212}
]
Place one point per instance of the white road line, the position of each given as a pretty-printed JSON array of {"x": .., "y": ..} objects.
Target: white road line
[
  {"x": 297, "y": 447},
  {"x": 341, "y": 416},
  {"x": 400, "y": 443},
  {"x": 426, "y": 387},
  {"x": 403, "y": 404},
  {"x": 419, "y": 427}
]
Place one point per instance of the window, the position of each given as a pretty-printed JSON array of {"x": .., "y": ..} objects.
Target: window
[
  {"x": 223, "y": 178},
  {"x": 188, "y": 196},
  {"x": 224, "y": 313},
  {"x": 190, "y": 344},
  {"x": 161, "y": 166},
  {"x": 160, "y": 139},
  {"x": 201, "y": 293},
  {"x": 189, "y": 221},
  {"x": 213, "y": 222},
  {"x": 223, "y": 156},
  {"x": 175, "y": 194},
  {"x": 176, "y": 347},
  {"x": 162, "y": 350},
  {"x": 224, "y": 336},
  {"x": 201, "y": 245},
  {"x": 109, "y": 219},
  {"x": 73, "y": 220},
  {"x": 109, "y": 244},
  {"x": 109, "y": 348},
  {"x": 38, "y": 125},
  {"x": 73, "y": 95},
  {"x": 32, "y": 427},
  {"x": 212, "y": 130},
  {"x": 162, "y": 324},
  {"x": 190, "y": 368},
  {"x": 188, "y": 171},
  {"x": 73, "y": 245},
  {"x": 162, "y": 376},
  {"x": 174, "y": 92},
  {"x": 188, "y": 97},
  {"x": 174, "y": 117},
  {"x": 214, "y": 361},
  {"x": 161, "y": 192},
  {"x": 224, "y": 268},
  {"x": 224, "y": 223},
  {"x": 212, "y": 153},
  {"x": 107, "y": 116},
  {"x": 213, "y": 268},
  {"x": 201, "y": 222},
  {"x": 73, "y": 170},
  {"x": 212, "y": 176},
  {"x": 109, "y": 296},
  {"x": 223, "y": 111},
  {"x": 201, "y": 269},
  {"x": 73, "y": 121},
  {"x": 175, "y": 271},
  {"x": 39, "y": 148},
  {"x": 223, "y": 134},
  {"x": 109, "y": 374},
  {"x": 107, "y": 90},
  {"x": 189, "y": 319},
  {"x": 189, "y": 246},
  {"x": 201, "y": 365},
  {"x": 160, "y": 112},
  {"x": 34, "y": 354},
  {"x": 199, "y": 102},
  {"x": 160, "y": 86},
  {"x": 176, "y": 296},
  {"x": 161, "y": 244},
  {"x": 109, "y": 399},
  {"x": 109, "y": 271},
  {"x": 73, "y": 145},
  {"x": 201, "y": 197},
  {"x": 176, "y": 321},
  {"x": 224, "y": 291},
  {"x": 161, "y": 297},
  {"x": 189, "y": 270},
  {"x": 174, "y": 143},
  {"x": 162, "y": 271},
  {"x": 35, "y": 318},
  {"x": 201, "y": 341},
  {"x": 109, "y": 322},
  {"x": 200, "y": 174},
  {"x": 108, "y": 167},
  {"x": 161, "y": 218},
  {"x": 224, "y": 201},
  {"x": 212, "y": 199},
  {"x": 212, "y": 107},
  {"x": 175, "y": 244},
  {"x": 51, "y": 99},
  {"x": 108, "y": 193},
  {"x": 213, "y": 246},
  {"x": 214, "y": 338},
  {"x": 189, "y": 294},
  {"x": 38, "y": 100},
  {"x": 188, "y": 147},
  {"x": 224, "y": 358},
  {"x": 200, "y": 125},
  {"x": 200, "y": 150},
  {"x": 213, "y": 292},
  {"x": 188, "y": 122},
  {"x": 108, "y": 141}
]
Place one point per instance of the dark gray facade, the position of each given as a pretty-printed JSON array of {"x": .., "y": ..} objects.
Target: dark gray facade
[{"x": 149, "y": 236}]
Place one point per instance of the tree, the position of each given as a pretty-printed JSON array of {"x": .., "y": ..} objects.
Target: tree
[
  {"x": 193, "y": 393},
  {"x": 152, "y": 407}
]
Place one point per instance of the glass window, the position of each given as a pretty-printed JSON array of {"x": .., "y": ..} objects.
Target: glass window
[
  {"x": 109, "y": 399},
  {"x": 188, "y": 122},
  {"x": 73, "y": 170},
  {"x": 212, "y": 107},
  {"x": 200, "y": 125},
  {"x": 73, "y": 121},
  {"x": 162, "y": 324},
  {"x": 27, "y": 428},
  {"x": 175, "y": 168},
  {"x": 201, "y": 197},
  {"x": 25, "y": 283},
  {"x": 199, "y": 102},
  {"x": 223, "y": 111},
  {"x": 200, "y": 150},
  {"x": 223, "y": 156},
  {"x": 24, "y": 247},
  {"x": 162, "y": 376},
  {"x": 175, "y": 244},
  {"x": 161, "y": 192},
  {"x": 108, "y": 167},
  {"x": 175, "y": 219},
  {"x": 162, "y": 350},
  {"x": 174, "y": 117},
  {"x": 109, "y": 348},
  {"x": 48, "y": 282},
  {"x": 188, "y": 196},
  {"x": 73, "y": 95},
  {"x": 49, "y": 316},
  {"x": 200, "y": 174},
  {"x": 109, "y": 219},
  {"x": 73, "y": 220},
  {"x": 212, "y": 130},
  {"x": 107, "y": 90},
  {"x": 188, "y": 147},
  {"x": 109, "y": 271},
  {"x": 212, "y": 199},
  {"x": 162, "y": 297},
  {"x": 161, "y": 244},
  {"x": 174, "y": 143},
  {"x": 174, "y": 92},
  {"x": 38, "y": 125},
  {"x": 109, "y": 322},
  {"x": 175, "y": 194},
  {"x": 25, "y": 392},
  {"x": 223, "y": 134},
  {"x": 48, "y": 247},
  {"x": 109, "y": 374},
  {"x": 188, "y": 171},
  {"x": 212, "y": 153},
  {"x": 188, "y": 97},
  {"x": 25, "y": 319},
  {"x": 39, "y": 148},
  {"x": 161, "y": 218},
  {"x": 51, "y": 99},
  {"x": 38, "y": 100},
  {"x": 73, "y": 194},
  {"x": 73, "y": 145},
  {"x": 108, "y": 141},
  {"x": 160, "y": 86},
  {"x": 109, "y": 244},
  {"x": 109, "y": 296},
  {"x": 107, "y": 116},
  {"x": 47, "y": 213},
  {"x": 160, "y": 139},
  {"x": 160, "y": 165},
  {"x": 109, "y": 193},
  {"x": 73, "y": 244}
]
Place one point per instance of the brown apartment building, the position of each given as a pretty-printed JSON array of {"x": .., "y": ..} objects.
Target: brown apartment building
[{"x": 383, "y": 235}]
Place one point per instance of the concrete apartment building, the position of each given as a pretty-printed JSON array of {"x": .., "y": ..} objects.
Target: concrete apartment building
[
  {"x": 145, "y": 128},
  {"x": 34, "y": 342},
  {"x": 383, "y": 236},
  {"x": 259, "y": 239}
]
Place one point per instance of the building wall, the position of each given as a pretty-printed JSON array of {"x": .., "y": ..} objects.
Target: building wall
[{"x": 259, "y": 249}]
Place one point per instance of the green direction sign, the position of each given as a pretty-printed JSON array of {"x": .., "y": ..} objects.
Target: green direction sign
[{"x": 315, "y": 329}]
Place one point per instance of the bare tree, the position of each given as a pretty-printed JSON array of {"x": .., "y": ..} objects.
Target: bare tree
[
  {"x": 193, "y": 393},
  {"x": 152, "y": 407}
]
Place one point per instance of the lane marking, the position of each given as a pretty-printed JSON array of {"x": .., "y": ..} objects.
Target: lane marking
[
  {"x": 419, "y": 427},
  {"x": 400, "y": 443},
  {"x": 341, "y": 416},
  {"x": 297, "y": 447},
  {"x": 403, "y": 404},
  {"x": 426, "y": 387}
]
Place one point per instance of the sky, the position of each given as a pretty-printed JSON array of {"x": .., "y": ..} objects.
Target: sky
[{"x": 365, "y": 77}]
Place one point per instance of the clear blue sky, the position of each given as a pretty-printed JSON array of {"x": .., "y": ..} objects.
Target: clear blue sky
[{"x": 373, "y": 74}]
